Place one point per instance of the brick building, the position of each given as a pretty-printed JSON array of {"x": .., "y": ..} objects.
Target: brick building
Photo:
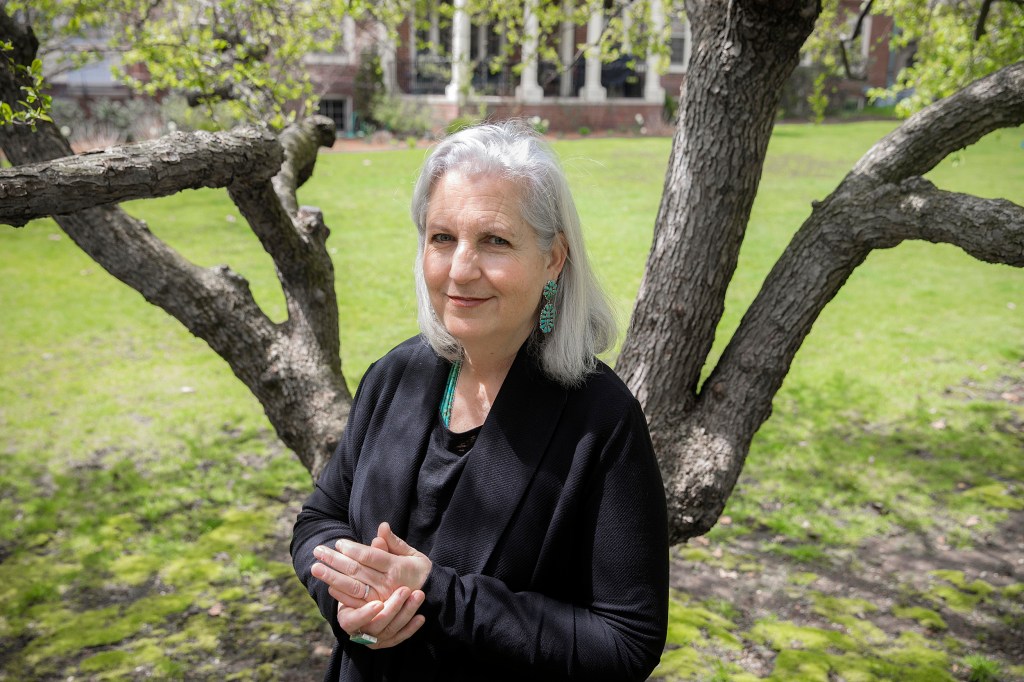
[{"x": 444, "y": 66}]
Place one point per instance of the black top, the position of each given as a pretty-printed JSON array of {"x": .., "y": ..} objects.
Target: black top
[
  {"x": 550, "y": 559},
  {"x": 439, "y": 474}
]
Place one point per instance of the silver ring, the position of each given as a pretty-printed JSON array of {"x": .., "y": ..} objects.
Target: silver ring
[{"x": 366, "y": 593}]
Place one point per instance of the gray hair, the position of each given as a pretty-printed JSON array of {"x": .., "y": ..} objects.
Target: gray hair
[{"x": 511, "y": 150}]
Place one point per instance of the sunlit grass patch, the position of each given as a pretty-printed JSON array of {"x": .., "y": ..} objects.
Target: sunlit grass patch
[{"x": 141, "y": 484}]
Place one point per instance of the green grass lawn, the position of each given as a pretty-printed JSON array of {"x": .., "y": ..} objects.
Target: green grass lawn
[{"x": 145, "y": 505}]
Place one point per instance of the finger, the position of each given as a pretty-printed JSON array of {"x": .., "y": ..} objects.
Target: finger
[
  {"x": 340, "y": 582},
  {"x": 354, "y": 620},
  {"x": 396, "y": 545},
  {"x": 350, "y": 602},
  {"x": 404, "y": 614},
  {"x": 378, "y": 543},
  {"x": 353, "y": 569},
  {"x": 392, "y": 607},
  {"x": 369, "y": 557}
]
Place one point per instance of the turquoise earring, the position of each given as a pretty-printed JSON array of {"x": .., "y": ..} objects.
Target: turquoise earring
[{"x": 548, "y": 312}]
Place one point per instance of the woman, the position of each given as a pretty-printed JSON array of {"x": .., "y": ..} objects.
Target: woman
[{"x": 517, "y": 468}]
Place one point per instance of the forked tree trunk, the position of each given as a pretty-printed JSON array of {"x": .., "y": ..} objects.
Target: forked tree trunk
[{"x": 743, "y": 51}]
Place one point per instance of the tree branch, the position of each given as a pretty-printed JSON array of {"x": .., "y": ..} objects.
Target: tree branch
[
  {"x": 932, "y": 134},
  {"x": 297, "y": 246},
  {"x": 148, "y": 169},
  {"x": 301, "y": 142},
  {"x": 294, "y": 368},
  {"x": 991, "y": 230},
  {"x": 736, "y": 398}
]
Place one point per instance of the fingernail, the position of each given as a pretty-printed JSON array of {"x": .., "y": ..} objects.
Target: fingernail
[
  {"x": 344, "y": 545},
  {"x": 319, "y": 551}
]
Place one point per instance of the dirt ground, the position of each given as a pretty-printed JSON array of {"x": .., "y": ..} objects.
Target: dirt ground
[
  {"x": 882, "y": 572},
  {"x": 879, "y": 574}
]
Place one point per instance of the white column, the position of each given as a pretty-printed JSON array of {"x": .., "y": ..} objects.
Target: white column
[
  {"x": 566, "y": 50},
  {"x": 348, "y": 38},
  {"x": 592, "y": 90},
  {"x": 653, "y": 92},
  {"x": 434, "y": 33},
  {"x": 411, "y": 46},
  {"x": 482, "y": 34},
  {"x": 458, "y": 88},
  {"x": 529, "y": 89},
  {"x": 388, "y": 62}
]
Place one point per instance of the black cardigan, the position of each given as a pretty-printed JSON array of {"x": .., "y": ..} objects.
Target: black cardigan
[{"x": 552, "y": 561}]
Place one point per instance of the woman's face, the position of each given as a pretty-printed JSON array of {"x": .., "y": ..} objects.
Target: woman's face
[{"x": 482, "y": 266}]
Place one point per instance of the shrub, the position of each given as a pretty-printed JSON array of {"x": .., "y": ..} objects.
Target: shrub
[
  {"x": 670, "y": 110},
  {"x": 460, "y": 123},
  {"x": 369, "y": 87},
  {"x": 175, "y": 110},
  {"x": 539, "y": 124},
  {"x": 108, "y": 122},
  {"x": 401, "y": 117}
]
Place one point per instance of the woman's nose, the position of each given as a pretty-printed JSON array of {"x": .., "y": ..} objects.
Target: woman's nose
[{"x": 464, "y": 263}]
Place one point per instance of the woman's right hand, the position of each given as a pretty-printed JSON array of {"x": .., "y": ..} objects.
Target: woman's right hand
[{"x": 391, "y": 622}]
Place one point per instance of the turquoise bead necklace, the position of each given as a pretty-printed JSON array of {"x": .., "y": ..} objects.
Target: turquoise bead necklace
[{"x": 449, "y": 393}]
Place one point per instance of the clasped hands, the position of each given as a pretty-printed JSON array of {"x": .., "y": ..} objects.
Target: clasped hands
[{"x": 377, "y": 586}]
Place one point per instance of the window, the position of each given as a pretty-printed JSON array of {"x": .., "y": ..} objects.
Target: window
[
  {"x": 337, "y": 111},
  {"x": 680, "y": 45}
]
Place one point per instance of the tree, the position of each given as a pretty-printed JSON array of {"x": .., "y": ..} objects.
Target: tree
[
  {"x": 743, "y": 53},
  {"x": 954, "y": 44}
]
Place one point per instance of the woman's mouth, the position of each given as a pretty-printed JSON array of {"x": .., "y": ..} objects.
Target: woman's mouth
[{"x": 466, "y": 301}]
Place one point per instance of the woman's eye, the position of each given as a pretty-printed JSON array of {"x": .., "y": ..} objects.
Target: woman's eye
[
  {"x": 498, "y": 241},
  {"x": 441, "y": 237}
]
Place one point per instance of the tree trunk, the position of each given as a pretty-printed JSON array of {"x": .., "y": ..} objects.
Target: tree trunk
[
  {"x": 743, "y": 52},
  {"x": 746, "y": 50},
  {"x": 293, "y": 368}
]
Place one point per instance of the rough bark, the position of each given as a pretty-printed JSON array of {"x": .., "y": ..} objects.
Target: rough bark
[
  {"x": 301, "y": 144},
  {"x": 293, "y": 368},
  {"x": 703, "y": 438},
  {"x": 743, "y": 53},
  {"x": 149, "y": 169}
]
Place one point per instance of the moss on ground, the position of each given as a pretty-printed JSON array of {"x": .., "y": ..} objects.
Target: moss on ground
[{"x": 924, "y": 617}]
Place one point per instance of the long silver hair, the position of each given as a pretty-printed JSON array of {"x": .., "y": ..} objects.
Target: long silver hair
[{"x": 512, "y": 151}]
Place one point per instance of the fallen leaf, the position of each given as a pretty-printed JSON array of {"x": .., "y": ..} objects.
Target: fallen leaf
[
  {"x": 725, "y": 520},
  {"x": 321, "y": 650},
  {"x": 216, "y": 609},
  {"x": 1010, "y": 397},
  {"x": 972, "y": 521},
  {"x": 939, "y": 424}
]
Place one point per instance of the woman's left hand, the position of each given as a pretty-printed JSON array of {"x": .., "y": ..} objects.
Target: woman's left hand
[{"x": 385, "y": 565}]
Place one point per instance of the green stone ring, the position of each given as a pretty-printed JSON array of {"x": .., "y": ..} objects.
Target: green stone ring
[{"x": 360, "y": 638}]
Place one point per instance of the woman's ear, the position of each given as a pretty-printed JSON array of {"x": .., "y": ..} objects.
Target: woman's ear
[{"x": 556, "y": 259}]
